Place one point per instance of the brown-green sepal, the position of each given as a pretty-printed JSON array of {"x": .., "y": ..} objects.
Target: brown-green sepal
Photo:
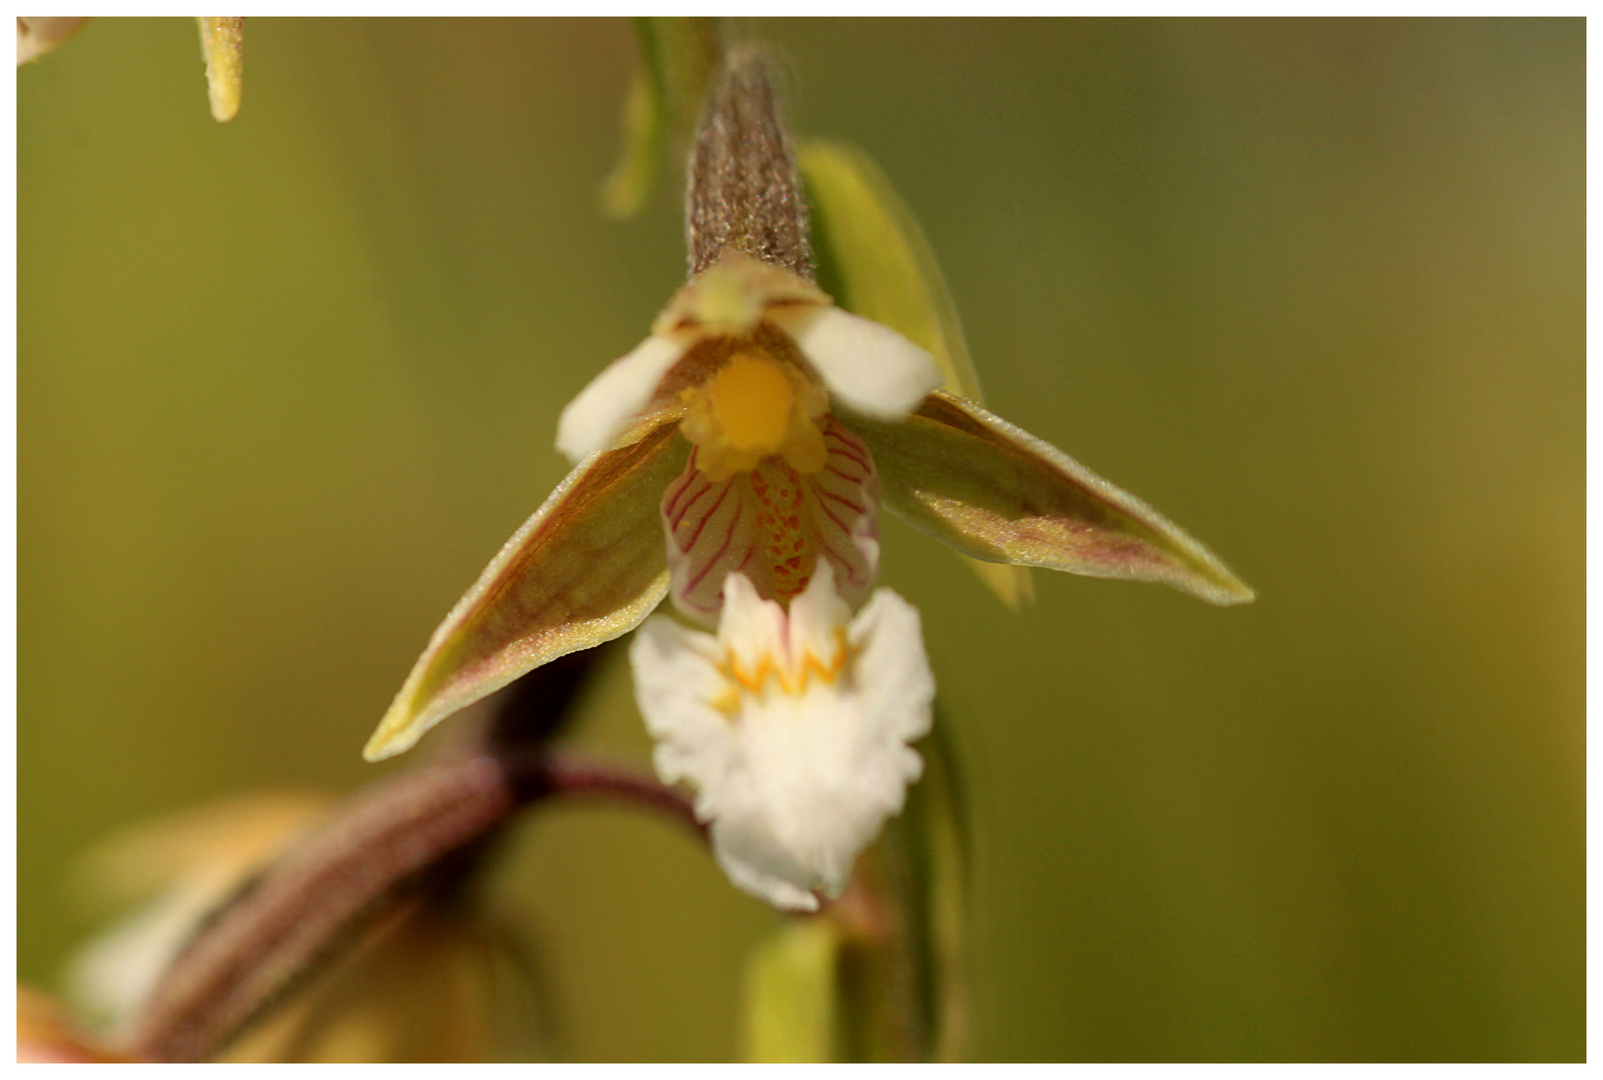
[
  {"x": 997, "y": 493},
  {"x": 586, "y": 568}
]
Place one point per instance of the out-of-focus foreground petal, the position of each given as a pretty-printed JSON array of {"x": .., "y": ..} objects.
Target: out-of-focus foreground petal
[
  {"x": 222, "y": 42},
  {"x": 38, "y": 34},
  {"x": 998, "y": 493},
  {"x": 482, "y": 998},
  {"x": 586, "y": 568}
]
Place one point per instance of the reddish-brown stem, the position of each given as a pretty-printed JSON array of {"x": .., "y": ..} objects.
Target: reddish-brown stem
[{"x": 571, "y": 774}]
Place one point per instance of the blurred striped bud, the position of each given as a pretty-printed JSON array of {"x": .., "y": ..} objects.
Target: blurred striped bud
[
  {"x": 164, "y": 876},
  {"x": 433, "y": 979}
]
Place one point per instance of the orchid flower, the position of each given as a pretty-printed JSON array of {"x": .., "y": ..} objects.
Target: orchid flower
[
  {"x": 591, "y": 563},
  {"x": 737, "y": 458}
]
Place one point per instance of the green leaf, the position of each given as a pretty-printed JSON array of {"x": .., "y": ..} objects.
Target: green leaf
[
  {"x": 587, "y": 567},
  {"x": 625, "y": 189},
  {"x": 996, "y": 492},
  {"x": 927, "y": 859},
  {"x": 873, "y": 259},
  {"x": 678, "y": 58},
  {"x": 790, "y": 1010}
]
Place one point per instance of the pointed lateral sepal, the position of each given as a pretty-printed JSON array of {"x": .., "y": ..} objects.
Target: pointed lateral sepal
[
  {"x": 997, "y": 493},
  {"x": 586, "y": 568}
]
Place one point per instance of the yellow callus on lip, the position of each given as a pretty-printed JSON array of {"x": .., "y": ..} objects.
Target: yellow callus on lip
[
  {"x": 754, "y": 400},
  {"x": 791, "y": 677},
  {"x": 755, "y": 407}
]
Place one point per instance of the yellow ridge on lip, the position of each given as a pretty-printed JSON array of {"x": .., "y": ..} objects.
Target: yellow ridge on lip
[{"x": 792, "y": 682}]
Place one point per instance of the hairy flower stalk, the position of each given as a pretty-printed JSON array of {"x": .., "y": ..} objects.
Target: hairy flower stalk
[{"x": 737, "y": 460}]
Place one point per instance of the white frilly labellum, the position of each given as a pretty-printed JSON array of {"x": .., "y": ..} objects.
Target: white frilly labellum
[{"x": 793, "y": 728}]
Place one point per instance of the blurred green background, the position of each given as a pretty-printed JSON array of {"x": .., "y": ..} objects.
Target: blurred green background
[{"x": 1315, "y": 289}]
